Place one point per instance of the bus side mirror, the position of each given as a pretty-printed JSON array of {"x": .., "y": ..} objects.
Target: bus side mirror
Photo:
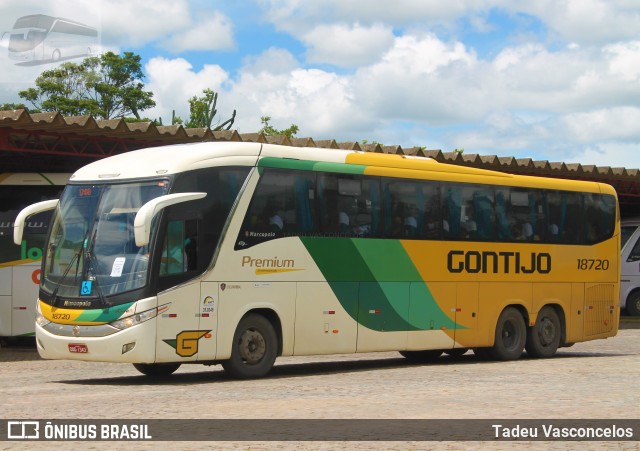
[
  {"x": 142, "y": 221},
  {"x": 21, "y": 219}
]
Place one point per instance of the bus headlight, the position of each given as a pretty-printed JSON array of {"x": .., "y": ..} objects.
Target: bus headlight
[
  {"x": 138, "y": 318},
  {"x": 40, "y": 319},
  {"x": 135, "y": 319}
]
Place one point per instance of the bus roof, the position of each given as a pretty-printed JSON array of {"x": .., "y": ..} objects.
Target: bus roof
[{"x": 165, "y": 160}]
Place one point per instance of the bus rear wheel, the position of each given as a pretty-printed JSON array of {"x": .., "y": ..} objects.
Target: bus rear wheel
[
  {"x": 511, "y": 335},
  {"x": 543, "y": 338},
  {"x": 156, "y": 369},
  {"x": 254, "y": 349}
]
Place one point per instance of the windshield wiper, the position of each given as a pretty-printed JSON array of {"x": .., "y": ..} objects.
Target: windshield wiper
[{"x": 75, "y": 258}]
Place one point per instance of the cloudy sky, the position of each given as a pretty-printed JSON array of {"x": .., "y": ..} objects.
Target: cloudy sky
[{"x": 554, "y": 80}]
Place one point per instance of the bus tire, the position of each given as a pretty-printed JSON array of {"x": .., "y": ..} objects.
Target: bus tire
[
  {"x": 55, "y": 56},
  {"x": 543, "y": 338},
  {"x": 633, "y": 304},
  {"x": 254, "y": 348},
  {"x": 156, "y": 369},
  {"x": 511, "y": 335},
  {"x": 421, "y": 356}
]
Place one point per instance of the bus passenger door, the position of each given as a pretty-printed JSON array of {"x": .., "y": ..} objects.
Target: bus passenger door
[{"x": 178, "y": 334}]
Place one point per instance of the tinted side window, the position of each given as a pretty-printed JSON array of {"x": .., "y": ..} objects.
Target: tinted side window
[
  {"x": 634, "y": 255},
  {"x": 600, "y": 214},
  {"x": 564, "y": 213},
  {"x": 411, "y": 209},
  {"x": 194, "y": 228},
  {"x": 519, "y": 214},
  {"x": 468, "y": 212},
  {"x": 349, "y": 205},
  {"x": 283, "y": 205},
  {"x": 625, "y": 234}
]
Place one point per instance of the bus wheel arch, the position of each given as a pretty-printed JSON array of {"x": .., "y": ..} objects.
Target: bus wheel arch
[
  {"x": 256, "y": 344},
  {"x": 510, "y": 334},
  {"x": 56, "y": 55},
  {"x": 547, "y": 334}
]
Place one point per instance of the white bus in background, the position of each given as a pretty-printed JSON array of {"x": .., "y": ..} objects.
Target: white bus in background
[
  {"x": 630, "y": 266},
  {"x": 20, "y": 265},
  {"x": 43, "y": 38}
]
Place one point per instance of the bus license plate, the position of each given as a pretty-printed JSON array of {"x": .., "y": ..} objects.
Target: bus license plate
[{"x": 78, "y": 348}]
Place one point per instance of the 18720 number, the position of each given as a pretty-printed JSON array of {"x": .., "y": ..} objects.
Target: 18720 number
[{"x": 586, "y": 264}]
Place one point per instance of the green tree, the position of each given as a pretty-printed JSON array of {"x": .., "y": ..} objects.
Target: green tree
[
  {"x": 106, "y": 86},
  {"x": 15, "y": 106},
  {"x": 202, "y": 110},
  {"x": 269, "y": 130}
]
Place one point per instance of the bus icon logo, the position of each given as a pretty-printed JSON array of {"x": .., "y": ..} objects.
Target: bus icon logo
[
  {"x": 23, "y": 430},
  {"x": 40, "y": 39}
]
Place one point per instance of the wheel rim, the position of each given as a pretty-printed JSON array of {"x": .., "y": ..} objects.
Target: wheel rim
[
  {"x": 252, "y": 346},
  {"x": 547, "y": 332},
  {"x": 509, "y": 335}
]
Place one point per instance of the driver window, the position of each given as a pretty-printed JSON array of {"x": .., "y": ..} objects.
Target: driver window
[{"x": 174, "y": 253}]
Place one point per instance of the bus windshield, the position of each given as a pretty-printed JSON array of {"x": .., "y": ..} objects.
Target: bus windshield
[{"x": 92, "y": 251}]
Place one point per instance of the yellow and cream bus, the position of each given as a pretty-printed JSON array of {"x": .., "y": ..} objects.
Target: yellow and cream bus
[
  {"x": 20, "y": 264},
  {"x": 236, "y": 253}
]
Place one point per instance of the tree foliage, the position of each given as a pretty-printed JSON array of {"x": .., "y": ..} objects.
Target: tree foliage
[
  {"x": 202, "y": 110},
  {"x": 106, "y": 86},
  {"x": 269, "y": 130}
]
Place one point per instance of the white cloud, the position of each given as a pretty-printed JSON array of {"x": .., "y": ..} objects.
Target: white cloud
[
  {"x": 585, "y": 21},
  {"x": 625, "y": 60},
  {"x": 608, "y": 124},
  {"x": 213, "y": 32},
  {"x": 132, "y": 24},
  {"x": 347, "y": 46},
  {"x": 174, "y": 81},
  {"x": 273, "y": 60},
  {"x": 320, "y": 102}
]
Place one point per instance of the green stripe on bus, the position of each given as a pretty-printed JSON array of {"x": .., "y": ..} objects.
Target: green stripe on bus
[
  {"x": 305, "y": 165},
  {"x": 374, "y": 281}
]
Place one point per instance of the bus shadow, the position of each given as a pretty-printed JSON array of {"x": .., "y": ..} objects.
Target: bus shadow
[
  {"x": 295, "y": 370},
  {"x": 18, "y": 349}
]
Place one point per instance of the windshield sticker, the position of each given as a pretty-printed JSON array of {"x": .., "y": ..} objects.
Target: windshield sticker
[
  {"x": 85, "y": 289},
  {"x": 118, "y": 265}
]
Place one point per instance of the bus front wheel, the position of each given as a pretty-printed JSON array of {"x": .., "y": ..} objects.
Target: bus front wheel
[
  {"x": 156, "y": 369},
  {"x": 254, "y": 349},
  {"x": 543, "y": 338},
  {"x": 511, "y": 335}
]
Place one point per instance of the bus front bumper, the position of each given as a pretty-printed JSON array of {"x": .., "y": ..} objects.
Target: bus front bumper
[{"x": 133, "y": 345}]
